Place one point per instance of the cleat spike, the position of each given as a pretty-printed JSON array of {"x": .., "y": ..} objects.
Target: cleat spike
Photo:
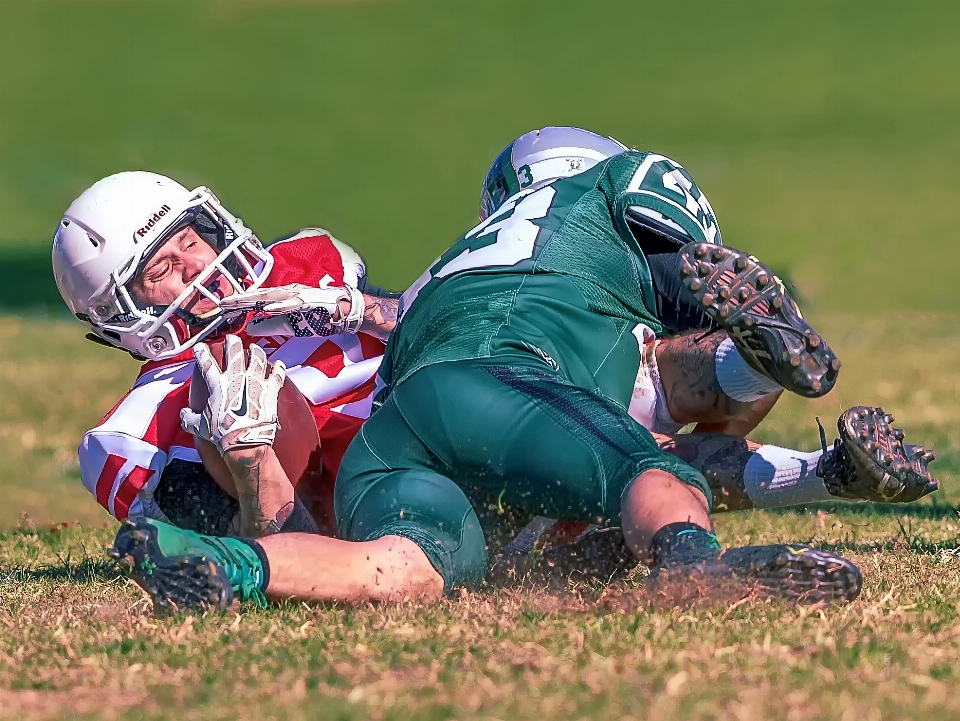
[
  {"x": 898, "y": 434},
  {"x": 695, "y": 285},
  {"x": 700, "y": 252},
  {"x": 724, "y": 292},
  {"x": 740, "y": 264},
  {"x": 795, "y": 360},
  {"x": 762, "y": 280},
  {"x": 704, "y": 269},
  {"x": 707, "y": 300}
]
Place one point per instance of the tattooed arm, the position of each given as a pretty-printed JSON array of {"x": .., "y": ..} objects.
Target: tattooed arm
[
  {"x": 380, "y": 315},
  {"x": 263, "y": 489},
  {"x": 268, "y": 503}
]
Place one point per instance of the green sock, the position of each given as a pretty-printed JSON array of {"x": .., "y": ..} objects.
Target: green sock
[{"x": 243, "y": 560}]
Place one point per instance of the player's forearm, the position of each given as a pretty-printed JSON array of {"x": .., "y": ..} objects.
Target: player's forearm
[
  {"x": 379, "y": 315},
  {"x": 265, "y": 493}
]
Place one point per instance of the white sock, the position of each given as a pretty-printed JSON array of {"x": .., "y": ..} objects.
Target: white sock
[
  {"x": 777, "y": 476},
  {"x": 737, "y": 379}
]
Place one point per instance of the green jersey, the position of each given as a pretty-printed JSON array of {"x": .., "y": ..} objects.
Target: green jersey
[{"x": 554, "y": 277}]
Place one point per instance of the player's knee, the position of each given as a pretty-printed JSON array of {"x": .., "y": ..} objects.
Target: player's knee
[
  {"x": 403, "y": 572},
  {"x": 430, "y": 511}
]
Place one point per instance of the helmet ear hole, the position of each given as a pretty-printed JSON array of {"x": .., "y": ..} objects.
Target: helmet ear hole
[
  {"x": 93, "y": 241},
  {"x": 113, "y": 335}
]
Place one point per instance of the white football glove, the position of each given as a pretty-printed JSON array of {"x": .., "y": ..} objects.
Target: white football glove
[
  {"x": 299, "y": 310},
  {"x": 242, "y": 408}
]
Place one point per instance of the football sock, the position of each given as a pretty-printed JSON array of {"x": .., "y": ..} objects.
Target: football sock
[
  {"x": 737, "y": 379},
  {"x": 775, "y": 476},
  {"x": 680, "y": 541},
  {"x": 245, "y": 564}
]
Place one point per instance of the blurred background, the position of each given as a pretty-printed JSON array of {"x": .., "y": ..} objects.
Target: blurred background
[{"x": 824, "y": 133}]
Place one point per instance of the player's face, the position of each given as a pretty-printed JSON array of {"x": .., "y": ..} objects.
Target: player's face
[{"x": 173, "y": 267}]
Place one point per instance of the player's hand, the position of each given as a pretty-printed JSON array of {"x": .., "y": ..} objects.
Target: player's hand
[
  {"x": 242, "y": 408},
  {"x": 299, "y": 310}
]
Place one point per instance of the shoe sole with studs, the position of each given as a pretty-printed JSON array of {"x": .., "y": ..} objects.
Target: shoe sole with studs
[
  {"x": 173, "y": 583},
  {"x": 800, "y": 574},
  {"x": 897, "y": 472},
  {"x": 747, "y": 300}
]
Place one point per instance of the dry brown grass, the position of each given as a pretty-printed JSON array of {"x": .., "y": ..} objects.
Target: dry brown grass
[{"x": 77, "y": 640}]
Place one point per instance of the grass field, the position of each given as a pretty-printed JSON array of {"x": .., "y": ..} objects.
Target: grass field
[{"x": 824, "y": 134}]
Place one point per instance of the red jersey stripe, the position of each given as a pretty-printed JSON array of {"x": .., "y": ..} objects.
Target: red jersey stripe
[
  {"x": 107, "y": 477},
  {"x": 127, "y": 493}
]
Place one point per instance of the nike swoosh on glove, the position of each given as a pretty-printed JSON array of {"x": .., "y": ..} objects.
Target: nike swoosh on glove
[
  {"x": 299, "y": 310},
  {"x": 242, "y": 408}
]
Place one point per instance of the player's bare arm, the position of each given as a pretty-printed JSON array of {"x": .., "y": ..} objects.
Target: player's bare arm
[
  {"x": 380, "y": 315},
  {"x": 298, "y": 310}
]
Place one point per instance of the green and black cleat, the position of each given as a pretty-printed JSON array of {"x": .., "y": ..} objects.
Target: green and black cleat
[
  {"x": 797, "y": 573},
  {"x": 870, "y": 462},
  {"x": 748, "y": 301},
  {"x": 184, "y": 570}
]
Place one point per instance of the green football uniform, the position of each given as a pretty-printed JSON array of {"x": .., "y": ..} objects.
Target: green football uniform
[{"x": 511, "y": 371}]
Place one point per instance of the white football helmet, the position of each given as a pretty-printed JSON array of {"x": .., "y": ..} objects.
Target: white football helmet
[
  {"x": 540, "y": 156},
  {"x": 109, "y": 233}
]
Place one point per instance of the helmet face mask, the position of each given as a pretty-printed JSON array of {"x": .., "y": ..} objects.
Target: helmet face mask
[{"x": 153, "y": 332}]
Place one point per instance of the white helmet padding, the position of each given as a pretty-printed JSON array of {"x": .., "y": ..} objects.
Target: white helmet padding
[{"x": 112, "y": 229}]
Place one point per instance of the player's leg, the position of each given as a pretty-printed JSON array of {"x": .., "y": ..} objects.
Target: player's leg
[
  {"x": 409, "y": 534},
  {"x": 182, "y": 569},
  {"x": 705, "y": 381},
  {"x": 766, "y": 328},
  {"x": 869, "y": 461},
  {"x": 742, "y": 475},
  {"x": 698, "y": 375},
  {"x": 557, "y": 450}
]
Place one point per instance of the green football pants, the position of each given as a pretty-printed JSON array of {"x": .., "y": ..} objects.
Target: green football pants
[{"x": 512, "y": 431}]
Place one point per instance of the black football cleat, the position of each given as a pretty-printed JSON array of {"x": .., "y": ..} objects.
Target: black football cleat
[
  {"x": 800, "y": 574},
  {"x": 869, "y": 461},
  {"x": 184, "y": 578},
  {"x": 748, "y": 301}
]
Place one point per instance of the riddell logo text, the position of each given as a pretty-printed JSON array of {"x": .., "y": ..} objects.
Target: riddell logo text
[{"x": 155, "y": 218}]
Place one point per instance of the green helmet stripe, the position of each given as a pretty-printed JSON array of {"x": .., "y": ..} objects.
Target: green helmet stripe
[{"x": 508, "y": 171}]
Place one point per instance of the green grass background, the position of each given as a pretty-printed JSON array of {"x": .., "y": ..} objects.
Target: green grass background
[{"x": 825, "y": 135}]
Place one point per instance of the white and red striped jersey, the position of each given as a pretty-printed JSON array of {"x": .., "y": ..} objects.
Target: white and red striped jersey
[{"x": 122, "y": 459}]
